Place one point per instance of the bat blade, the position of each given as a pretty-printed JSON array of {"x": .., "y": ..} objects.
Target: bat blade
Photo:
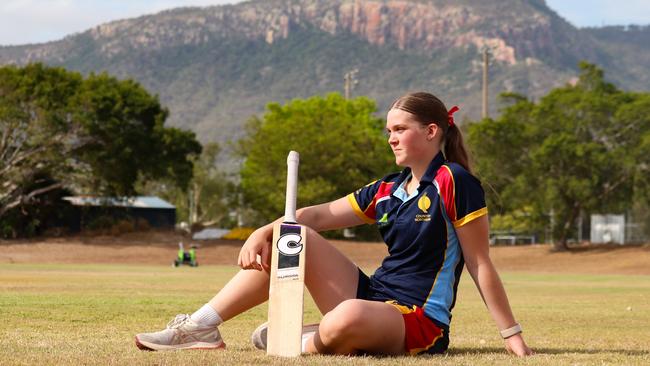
[
  {"x": 287, "y": 281},
  {"x": 286, "y": 291}
]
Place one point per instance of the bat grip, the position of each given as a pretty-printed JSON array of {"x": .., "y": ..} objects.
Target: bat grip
[{"x": 292, "y": 187}]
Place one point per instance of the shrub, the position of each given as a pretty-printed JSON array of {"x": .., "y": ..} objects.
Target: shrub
[
  {"x": 122, "y": 227},
  {"x": 142, "y": 224},
  {"x": 239, "y": 233}
]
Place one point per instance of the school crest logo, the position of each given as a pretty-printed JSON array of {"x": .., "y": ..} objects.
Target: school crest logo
[{"x": 424, "y": 203}]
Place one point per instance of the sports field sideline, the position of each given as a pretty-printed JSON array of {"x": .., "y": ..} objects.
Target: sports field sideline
[{"x": 69, "y": 307}]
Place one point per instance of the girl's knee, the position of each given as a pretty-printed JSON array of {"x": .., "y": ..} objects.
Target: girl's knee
[
  {"x": 345, "y": 320},
  {"x": 311, "y": 233}
]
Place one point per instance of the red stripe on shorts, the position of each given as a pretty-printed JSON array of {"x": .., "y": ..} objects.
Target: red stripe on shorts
[{"x": 421, "y": 332}]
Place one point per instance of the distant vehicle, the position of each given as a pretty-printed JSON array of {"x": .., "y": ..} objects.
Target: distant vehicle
[{"x": 186, "y": 257}]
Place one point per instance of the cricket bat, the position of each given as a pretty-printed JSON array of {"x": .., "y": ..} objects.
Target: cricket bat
[{"x": 287, "y": 285}]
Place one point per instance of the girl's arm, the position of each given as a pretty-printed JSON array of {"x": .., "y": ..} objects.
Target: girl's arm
[
  {"x": 475, "y": 245},
  {"x": 327, "y": 216},
  {"x": 332, "y": 215}
]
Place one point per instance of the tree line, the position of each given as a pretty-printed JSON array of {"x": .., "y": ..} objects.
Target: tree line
[
  {"x": 62, "y": 133},
  {"x": 583, "y": 148}
]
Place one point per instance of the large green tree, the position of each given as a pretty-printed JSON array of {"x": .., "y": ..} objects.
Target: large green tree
[
  {"x": 124, "y": 137},
  {"x": 581, "y": 149},
  {"x": 36, "y": 131},
  {"x": 93, "y": 135},
  {"x": 341, "y": 148}
]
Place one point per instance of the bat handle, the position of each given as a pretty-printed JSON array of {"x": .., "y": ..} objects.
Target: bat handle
[{"x": 292, "y": 187}]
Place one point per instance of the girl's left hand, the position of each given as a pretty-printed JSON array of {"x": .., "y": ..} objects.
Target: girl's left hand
[{"x": 517, "y": 346}]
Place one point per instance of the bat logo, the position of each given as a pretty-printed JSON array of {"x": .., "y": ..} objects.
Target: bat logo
[{"x": 290, "y": 244}]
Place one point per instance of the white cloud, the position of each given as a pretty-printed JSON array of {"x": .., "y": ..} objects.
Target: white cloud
[{"x": 33, "y": 21}]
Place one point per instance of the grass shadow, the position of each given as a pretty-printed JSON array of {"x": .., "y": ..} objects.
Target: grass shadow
[
  {"x": 602, "y": 248},
  {"x": 546, "y": 351}
]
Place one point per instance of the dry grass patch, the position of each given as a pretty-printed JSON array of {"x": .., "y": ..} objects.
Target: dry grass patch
[{"x": 88, "y": 314}]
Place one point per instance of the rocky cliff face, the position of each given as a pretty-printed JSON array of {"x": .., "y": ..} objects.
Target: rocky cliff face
[
  {"x": 214, "y": 67},
  {"x": 514, "y": 30}
]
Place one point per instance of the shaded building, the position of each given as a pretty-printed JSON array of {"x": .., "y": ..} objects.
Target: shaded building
[{"x": 88, "y": 211}]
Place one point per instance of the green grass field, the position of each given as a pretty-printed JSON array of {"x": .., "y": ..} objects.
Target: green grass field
[{"x": 88, "y": 314}]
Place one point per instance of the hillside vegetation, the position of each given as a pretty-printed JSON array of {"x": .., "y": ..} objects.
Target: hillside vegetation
[{"x": 214, "y": 67}]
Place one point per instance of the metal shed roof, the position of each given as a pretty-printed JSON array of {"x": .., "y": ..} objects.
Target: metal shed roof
[{"x": 139, "y": 201}]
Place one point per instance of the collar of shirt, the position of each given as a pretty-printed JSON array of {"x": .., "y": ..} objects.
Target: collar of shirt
[
  {"x": 401, "y": 193},
  {"x": 428, "y": 177}
]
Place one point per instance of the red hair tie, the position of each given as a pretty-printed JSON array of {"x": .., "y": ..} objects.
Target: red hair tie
[{"x": 450, "y": 115}]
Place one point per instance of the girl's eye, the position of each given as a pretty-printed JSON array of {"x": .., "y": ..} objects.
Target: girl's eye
[{"x": 399, "y": 129}]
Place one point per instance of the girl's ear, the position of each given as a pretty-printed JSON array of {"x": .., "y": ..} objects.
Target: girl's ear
[{"x": 433, "y": 130}]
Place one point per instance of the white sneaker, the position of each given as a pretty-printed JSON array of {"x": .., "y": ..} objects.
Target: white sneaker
[
  {"x": 260, "y": 334},
  {"x": 181, "y": 333}
]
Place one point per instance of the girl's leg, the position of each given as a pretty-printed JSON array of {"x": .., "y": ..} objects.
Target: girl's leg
[
  {"x": 349, "y": 326},
  {"x": 329, "y": 275},
  {"x": 360, "y": 326},
  {"x": 245, "y": 290}
]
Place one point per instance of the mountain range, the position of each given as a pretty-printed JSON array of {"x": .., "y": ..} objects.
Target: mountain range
[{"x": 214, "y": 67}]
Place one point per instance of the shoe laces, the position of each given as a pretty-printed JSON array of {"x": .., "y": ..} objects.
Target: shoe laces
[{"x": 179, "y": 320}]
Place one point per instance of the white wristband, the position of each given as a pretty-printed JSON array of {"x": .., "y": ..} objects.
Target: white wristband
[{"x": 507, "y": 333}]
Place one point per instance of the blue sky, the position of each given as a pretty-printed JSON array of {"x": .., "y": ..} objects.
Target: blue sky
[
  {"x": 33, "y": 21},
  {"x": 596, "y": 13}
]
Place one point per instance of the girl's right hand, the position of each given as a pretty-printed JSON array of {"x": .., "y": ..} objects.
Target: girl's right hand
[
  {"x": 258, "y": 243},
  {"x": 517, "y": 346}
]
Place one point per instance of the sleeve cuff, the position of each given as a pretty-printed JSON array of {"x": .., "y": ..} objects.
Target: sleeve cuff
[
  {"x": 471, "y": 217},
  {"x": 357, "y": 209}
]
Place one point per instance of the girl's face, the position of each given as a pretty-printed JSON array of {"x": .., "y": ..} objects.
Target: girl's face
[{"x": 410, "y": 141}]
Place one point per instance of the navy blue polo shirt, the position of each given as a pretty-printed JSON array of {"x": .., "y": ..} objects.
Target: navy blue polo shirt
[{"x": 424, "y": 259}]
